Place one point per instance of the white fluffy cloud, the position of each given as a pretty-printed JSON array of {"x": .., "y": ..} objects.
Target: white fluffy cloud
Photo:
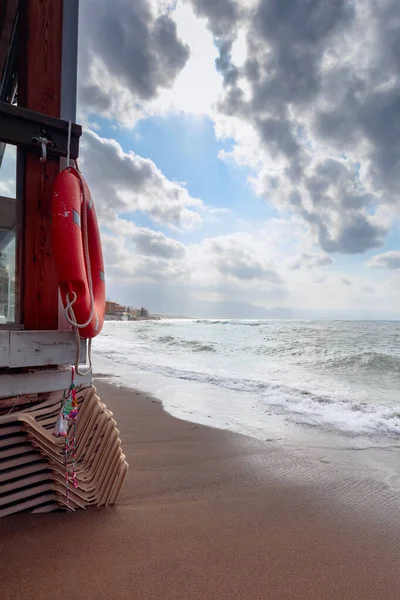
[
  {"x": 386, "y": 260},
  {"x": 235, "y": 273},
  {"x": 125, "y": 183}
]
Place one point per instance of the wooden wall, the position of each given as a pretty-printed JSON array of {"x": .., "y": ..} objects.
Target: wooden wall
[{"x": 39, "y": 89}]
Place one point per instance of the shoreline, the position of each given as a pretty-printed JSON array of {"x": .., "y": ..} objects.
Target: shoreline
[
  {"x": 359, "y": 479},
  {"x": 260, "y": 417},
  {"x": 204, "y": 514},
  {"x": 371, "y": 460}
]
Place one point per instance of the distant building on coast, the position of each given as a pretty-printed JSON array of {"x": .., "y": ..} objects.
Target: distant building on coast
[
  {"x": 113, "y": 308},
  {"x": 115, "y": 311}
]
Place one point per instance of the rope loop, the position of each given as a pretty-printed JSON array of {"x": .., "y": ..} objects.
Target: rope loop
[{"x": 69, "y": 311}]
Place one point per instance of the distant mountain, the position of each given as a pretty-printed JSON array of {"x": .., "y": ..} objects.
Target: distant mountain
[
  {"x": 201, "y": 309},
  {"x": 169, "y": 302}
]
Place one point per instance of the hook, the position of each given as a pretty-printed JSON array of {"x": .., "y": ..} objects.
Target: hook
[{"x": 44, "y": 143}]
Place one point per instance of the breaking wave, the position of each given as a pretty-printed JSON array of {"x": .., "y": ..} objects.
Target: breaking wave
[
  {"x": 339, "y": 375},
  {"x": 192, "y": 345}
]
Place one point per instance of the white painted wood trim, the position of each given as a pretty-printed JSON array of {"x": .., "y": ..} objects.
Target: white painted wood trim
[
  {"x": 4, "y": 348},
  {"x": 40, "y": 348},
  {"x": 43, "y": 380}
]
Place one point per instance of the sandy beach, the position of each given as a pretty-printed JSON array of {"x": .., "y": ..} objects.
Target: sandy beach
[{"x": 200, "y": 517}]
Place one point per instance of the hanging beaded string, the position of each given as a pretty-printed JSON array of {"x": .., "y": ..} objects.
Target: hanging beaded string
[
  {"x": 70, "y": 412},
  {"x": 67, "y": 417}
]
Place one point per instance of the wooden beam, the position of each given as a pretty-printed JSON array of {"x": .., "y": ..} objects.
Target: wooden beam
[
  {"x": 39, "y": 89},
  {"x": 21, "y": 127},
  {"x": 21, "y": 349},
  {"x": 39, "y": 381},
  {"x": 43, "y": 348}
]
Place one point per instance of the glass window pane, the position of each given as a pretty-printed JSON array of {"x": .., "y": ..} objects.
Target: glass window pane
[
  {"x": 8, "y": 227},
  {"x": 7, "y": 282},
  {"x": 8, "y": 170}
]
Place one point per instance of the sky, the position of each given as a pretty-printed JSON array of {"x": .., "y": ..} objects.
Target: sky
[{"x": 243, "y": 155}]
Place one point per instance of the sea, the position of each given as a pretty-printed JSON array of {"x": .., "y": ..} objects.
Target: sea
[
  {"x": 323, "y": 397},
  {"x": 263, "y": 377}
]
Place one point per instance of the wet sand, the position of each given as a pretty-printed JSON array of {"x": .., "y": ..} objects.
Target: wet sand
[{"x": 200, "y": 517}]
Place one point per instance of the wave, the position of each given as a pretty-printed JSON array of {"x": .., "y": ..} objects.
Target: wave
[
  {"x": 231, "y": 322},
  {"x": 370, "y": 361},
  {"x": 210, "y": 322},
  {"x": 192, "y": 345},
  {"x": 326, "y": 359},
  {"x": 299, "y": 405},
  {"x": 165, "y": 339},
  {"x": 346, "y": 380}
]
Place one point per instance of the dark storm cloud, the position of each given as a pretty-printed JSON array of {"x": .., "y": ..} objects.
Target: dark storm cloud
[
  {"x": 291, "y": 36},
  {"x": 222, "y": 15},
  {"x": 355, "y": 234},
  {"x": 224, "y": 62},
  {"x": 327, "y": 73},
  {"x": 138, "y": 49}
]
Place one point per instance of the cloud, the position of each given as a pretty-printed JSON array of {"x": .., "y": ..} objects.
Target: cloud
[
  {"x": 126, "y": 264},
  {"x": 310, "y": 261},
  {"x": 148, "y": 267},
  {"x": 319, "y": 90},
  {"x": 222, "y": 15},
  {"x": 239, "y": 257},
  {"x": 368, "y": 289},
  {"x": 131, "y": 51},
  {"x": 353, "y": 235},
  {"x": 139, "y": 59},
  {"x": 387, "y": 260},
  {"x": 155, "y": 243},
  {"x": 309, "y": 94},
  {"x": 215, "y": 269},
  {"x": 125, "y": 183}
]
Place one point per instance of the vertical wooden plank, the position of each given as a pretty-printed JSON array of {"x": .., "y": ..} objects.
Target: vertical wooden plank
[
  {"x": 39, "y": 88},
  {"x": 4, "y": 348}
]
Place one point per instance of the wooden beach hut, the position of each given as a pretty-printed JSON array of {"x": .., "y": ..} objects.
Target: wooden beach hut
[{"x": 38, "y": 78}]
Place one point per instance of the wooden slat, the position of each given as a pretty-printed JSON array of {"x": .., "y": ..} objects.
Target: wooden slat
[
  {"x": 39, "y": 89},
  {"x": 42, "y": 348}
]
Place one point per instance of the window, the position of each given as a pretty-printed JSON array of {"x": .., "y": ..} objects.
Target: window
[
  {"x": 9, "y": 299},
  {"x": 8, "y": 232}
]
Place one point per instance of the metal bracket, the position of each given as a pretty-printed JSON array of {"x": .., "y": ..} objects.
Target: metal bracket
[
  {"x": 44, "y": 143},
  {"x": 31, "y": 131}
]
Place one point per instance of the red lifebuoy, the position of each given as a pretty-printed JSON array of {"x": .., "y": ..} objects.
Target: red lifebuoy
[{"x": 71, "y": 197}]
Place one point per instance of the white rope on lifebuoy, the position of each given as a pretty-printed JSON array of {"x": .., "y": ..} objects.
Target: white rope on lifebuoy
[{"x": 69, "y": 311}]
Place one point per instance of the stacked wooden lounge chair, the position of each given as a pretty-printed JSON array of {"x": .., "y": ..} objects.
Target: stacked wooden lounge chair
[{"x": 32, "y": 459}]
